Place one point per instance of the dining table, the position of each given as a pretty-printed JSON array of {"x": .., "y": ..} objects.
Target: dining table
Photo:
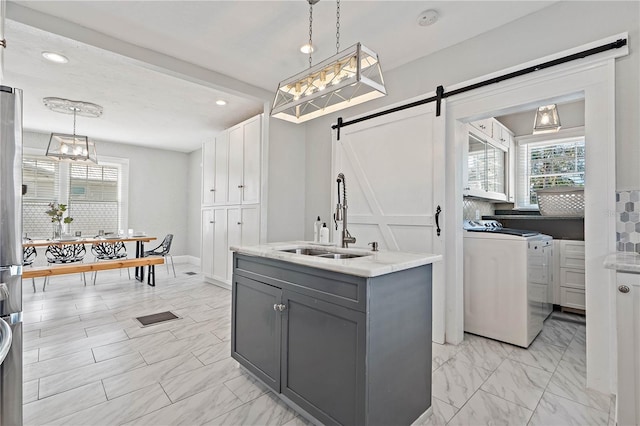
[{"x": 139, "y": 240}]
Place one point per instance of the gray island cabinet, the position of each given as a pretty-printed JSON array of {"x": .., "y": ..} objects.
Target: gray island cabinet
[{"x": 344, "y": 349}]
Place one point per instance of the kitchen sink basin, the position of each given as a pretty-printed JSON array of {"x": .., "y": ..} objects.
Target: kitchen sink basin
[
  {"x": 308, "y": 251},
  {"x": 326, "y": 254},
  {"x": 340, "y": 255}
]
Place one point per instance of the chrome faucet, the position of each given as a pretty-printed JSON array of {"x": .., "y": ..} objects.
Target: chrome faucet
[{"x": 341, "y": 213}]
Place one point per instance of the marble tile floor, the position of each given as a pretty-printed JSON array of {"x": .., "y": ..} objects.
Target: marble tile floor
[{"x": 88, "y": 362}]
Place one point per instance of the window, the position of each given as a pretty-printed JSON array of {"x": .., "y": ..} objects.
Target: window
[
  {"x": 548, "y": 163},
  {"x": 41, "y": 176},
  {"x": 95, "y": 194}
]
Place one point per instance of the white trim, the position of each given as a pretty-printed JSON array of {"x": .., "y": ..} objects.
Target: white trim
[
  {"x": 582, "y": 63},
  {"x": 563, "y": 135},
  {"x": 596, "y": 83},
  {"x": 185, "y": 258}
]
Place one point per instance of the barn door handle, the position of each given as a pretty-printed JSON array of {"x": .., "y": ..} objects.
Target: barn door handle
[{"x": 438, "y": 211}]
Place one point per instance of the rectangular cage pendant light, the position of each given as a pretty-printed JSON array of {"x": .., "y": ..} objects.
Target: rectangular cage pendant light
[
  {"x": 348, "y": 78},
  {"x": 71, "y": 147},
  {"x": 546, "y": 120}
]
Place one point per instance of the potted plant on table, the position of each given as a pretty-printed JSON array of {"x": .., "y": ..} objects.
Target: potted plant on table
[{"x": 56, "y": 212}]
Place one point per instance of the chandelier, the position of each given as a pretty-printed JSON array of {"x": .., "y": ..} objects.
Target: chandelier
[
  {"x": 347, "y": 78},
  {"x": 65, "y": 146}
]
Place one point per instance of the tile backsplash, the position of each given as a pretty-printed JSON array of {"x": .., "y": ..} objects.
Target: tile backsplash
[
  {"x": 628, "y": 224},
  {"x": 470, "y": 205}
]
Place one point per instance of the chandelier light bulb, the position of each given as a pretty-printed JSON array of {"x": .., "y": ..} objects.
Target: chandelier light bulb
[
  {"x": 545, "y": 118},
  {"x": 64, "y": 148}
]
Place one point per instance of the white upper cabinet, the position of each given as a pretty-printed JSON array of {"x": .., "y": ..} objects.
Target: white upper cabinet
[
  {"x": 231, "y": 165},
  {"x": 251, "y": 163},
  {"x": 484, "y": 126},
  {"x": 215, "y": 170},
  {"x": 488, "y": 166}
]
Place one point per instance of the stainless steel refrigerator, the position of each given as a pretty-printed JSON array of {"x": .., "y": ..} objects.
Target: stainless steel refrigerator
[{"x": 10, "y": 256}]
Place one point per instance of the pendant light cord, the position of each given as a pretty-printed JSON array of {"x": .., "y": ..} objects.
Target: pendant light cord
[
  {"x": 337, "y": 26},
  {"x": 74, "y": 122}
]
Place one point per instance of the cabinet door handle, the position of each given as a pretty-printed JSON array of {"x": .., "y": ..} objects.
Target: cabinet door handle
[
  {"x": 279, "y": 307},
  {"x": 240, "y": 186},
  {"x": 212, "y": 221},
  {"x": 624, "y": 289},
  {"x": 239, "y": 223},
  {"x": 438, "y": 211}
]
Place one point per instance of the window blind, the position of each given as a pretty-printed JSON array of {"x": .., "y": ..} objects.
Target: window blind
[{"x": 40, "y": 174}]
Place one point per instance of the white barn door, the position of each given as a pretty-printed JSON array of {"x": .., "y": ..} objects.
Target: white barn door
[{"x": 394, "y": 173}]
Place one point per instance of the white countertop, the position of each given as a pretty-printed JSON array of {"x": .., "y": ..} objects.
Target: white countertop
[
  {"x": 623, "y": 262},
  {"x": 373, "y": 264}
]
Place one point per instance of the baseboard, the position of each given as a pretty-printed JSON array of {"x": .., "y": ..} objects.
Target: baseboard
[
  {"x": 187, "y": 259},
  {"x": 218, "y": 283}
]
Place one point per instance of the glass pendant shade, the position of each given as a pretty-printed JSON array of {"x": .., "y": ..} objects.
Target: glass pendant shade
[
  {"x": 547, "y": 120},
  {"x": 348, "y": 78},
  {"x": 71, "y": 147}
]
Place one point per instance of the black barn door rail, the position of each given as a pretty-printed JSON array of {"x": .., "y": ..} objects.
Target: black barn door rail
[{"x": 441, "y": 94}]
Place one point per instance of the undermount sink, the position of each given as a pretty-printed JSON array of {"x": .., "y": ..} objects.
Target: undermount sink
[
  {"x": 339, "y": 255},
  {"x": 325, "y": 254},
  {"x": 307, "y": 251}
]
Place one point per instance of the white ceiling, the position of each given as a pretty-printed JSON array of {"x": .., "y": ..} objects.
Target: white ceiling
[{"x": 254, "y": 42}]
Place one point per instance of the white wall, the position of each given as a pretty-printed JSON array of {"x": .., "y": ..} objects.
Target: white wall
[
  {"x": 561, "y": 26},
  {"x": 286, "y": 182},
  {"x": 194, "y": 200},
  {"x": 157, "y": 187}
]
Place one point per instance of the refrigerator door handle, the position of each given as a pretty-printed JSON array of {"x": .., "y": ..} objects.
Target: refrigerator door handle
[
  {"x": 12, "y": 269},
  {"x": 5, "y": 339}
]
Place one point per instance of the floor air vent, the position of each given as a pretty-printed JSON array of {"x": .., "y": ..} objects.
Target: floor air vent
[
  {"x": 157, "y": 318},
  {"x": 191, "y": 273}
]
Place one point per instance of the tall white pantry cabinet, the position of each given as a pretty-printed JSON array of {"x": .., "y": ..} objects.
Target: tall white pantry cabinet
[{"x": 230, "y": 196}]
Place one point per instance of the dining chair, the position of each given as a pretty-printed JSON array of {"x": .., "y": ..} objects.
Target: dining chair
[
  {"x": 163, "y": 250},
  {"x": 108, "y": 251},
  {"x": 64, "y": 254},
  {"x": 29, "y": 255}
]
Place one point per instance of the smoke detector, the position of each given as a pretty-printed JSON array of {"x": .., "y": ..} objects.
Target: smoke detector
[{"x": 428, "y": 17}]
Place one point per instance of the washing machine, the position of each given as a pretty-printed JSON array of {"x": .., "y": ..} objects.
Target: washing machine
[{"x": 507, "y": 282}]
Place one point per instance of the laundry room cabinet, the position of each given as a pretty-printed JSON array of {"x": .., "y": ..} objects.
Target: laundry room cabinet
[
  {"x": 569, "y": 276},
  {"x": 231, "y": 193},
  {"x": 489, "y": 171}
]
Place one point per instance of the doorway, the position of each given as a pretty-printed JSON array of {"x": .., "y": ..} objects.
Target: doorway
[{"x": 595, "y": 82}]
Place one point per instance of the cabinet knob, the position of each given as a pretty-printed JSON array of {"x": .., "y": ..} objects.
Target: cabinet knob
[
  {"x": 239, "y": 223},
  {"x": 212, "y": 221},
  {"x": 482, "y": 126},
  {"x": 240, "y": 186},
  {"x": 279, "y": 307},
  {"x": 624, "y": 289},
  {"x": 212, "y": 190}
]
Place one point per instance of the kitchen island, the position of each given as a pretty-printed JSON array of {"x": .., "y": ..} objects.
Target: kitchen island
[{"x": 341, "y": 335}]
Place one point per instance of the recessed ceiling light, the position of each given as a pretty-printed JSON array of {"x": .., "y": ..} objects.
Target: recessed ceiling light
[
  {"x": 221, "y": 102},
  {"x": 55, "y": 57},
  {"x": 307, "y": 48}
]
